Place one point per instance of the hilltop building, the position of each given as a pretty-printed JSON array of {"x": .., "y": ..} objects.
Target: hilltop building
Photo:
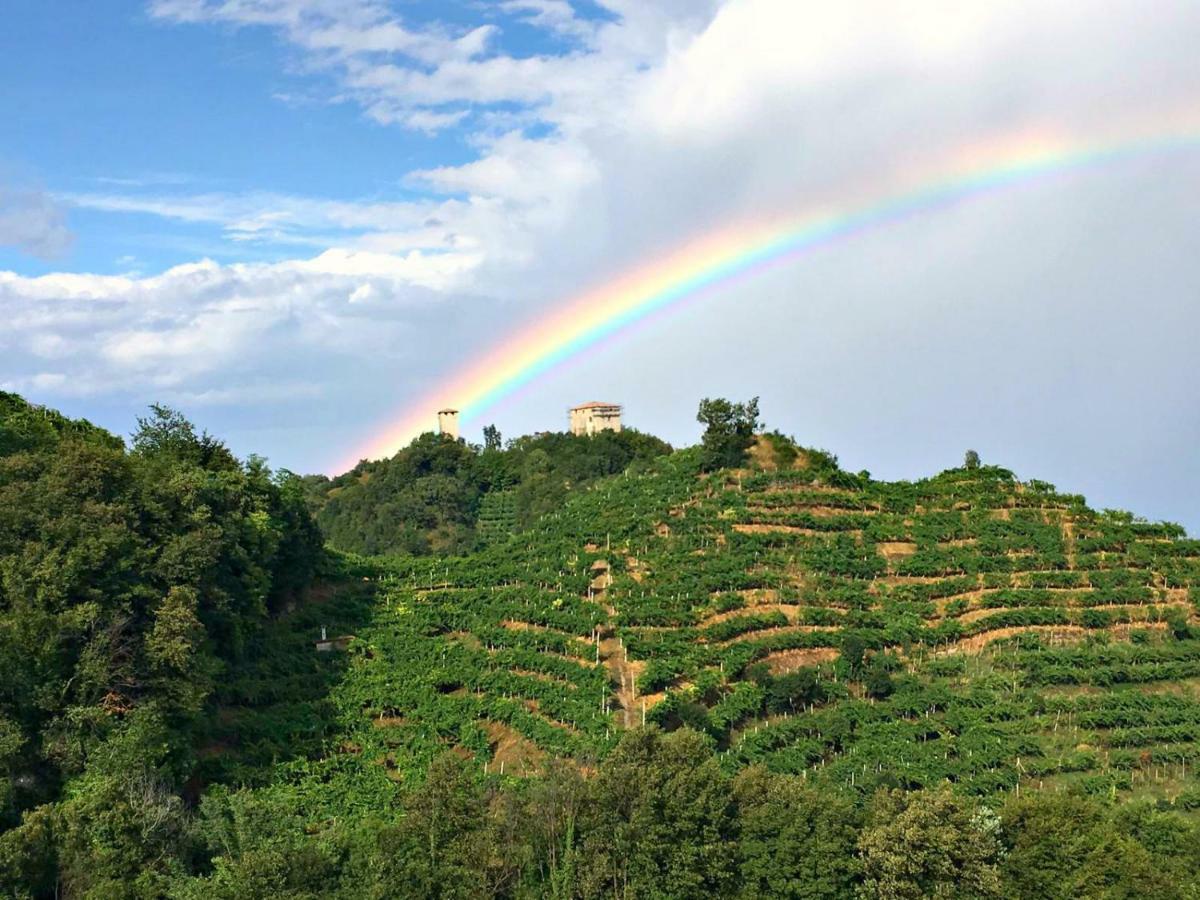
[
  {"x": 589, "y": 418},
  {"x": 448, "y": 422}
]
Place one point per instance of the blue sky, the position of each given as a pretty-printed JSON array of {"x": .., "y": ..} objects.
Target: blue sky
[
  {"x": 107, "y": 98},
  {"x": 290, "y": 218}
]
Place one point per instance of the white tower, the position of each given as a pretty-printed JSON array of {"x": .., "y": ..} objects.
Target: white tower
[
  {"x": 590, "y": 418},
  {"x": 448, "y": 422}
]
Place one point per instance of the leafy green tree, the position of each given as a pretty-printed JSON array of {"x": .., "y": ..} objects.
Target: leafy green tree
[
  {"x": 258, "y": 847},
  {"x": 555, "y": 807},
  {"x": 854, "y": 649},
  {"x": 124, "y": 822},
  {"x": 793, "y": 691},
  {"x": 929, "y": 844},
  {"x": 793, "y": 842},
  {"x": 660, "y": 823},
  {"x": 166, "y": 433},
  {"x": 877, "y": 680},
  {"x": 1060, "y": 846},
  {"x": 441, "y": 848},
  {"x": 971, "y": 460},
  {"x": 491, "y": 437},
  {"x": 426, "y": 499},
  {"x": 728, "y": 431},
  {"x": 127, "y": 581},
  {"x": 29, "y": 854}
]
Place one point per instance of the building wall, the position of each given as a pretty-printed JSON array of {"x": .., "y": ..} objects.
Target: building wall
[
  {"x": 587, "y": 420},
  {"x": 578, "y": 421},
  {"x": 448, "y": 424}
]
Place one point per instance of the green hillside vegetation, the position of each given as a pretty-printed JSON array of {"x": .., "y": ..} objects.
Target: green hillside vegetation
[
  {"x": 966, "y": 629},
  {"x": 131, "y": 579},
  {"x": 686, "y": 679},
  {"x": 442, "y": 496}
]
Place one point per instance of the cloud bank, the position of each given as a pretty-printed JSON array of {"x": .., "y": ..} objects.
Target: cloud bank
[{"x": 997, "y": 325}]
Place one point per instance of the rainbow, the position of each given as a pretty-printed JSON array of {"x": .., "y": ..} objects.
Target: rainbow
[{"x": 717, "y": 259}]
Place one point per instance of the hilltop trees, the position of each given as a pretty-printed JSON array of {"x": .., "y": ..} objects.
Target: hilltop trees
[
  {"x": 971, "y": 460},
  {"x": 491, "y": 437},
  {"x": 127, "y": 580},
  {"x": 426, "y": 499},
  {"x": 728, "y": 431}
]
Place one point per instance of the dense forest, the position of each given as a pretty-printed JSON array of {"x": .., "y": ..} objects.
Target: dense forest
[
  {"x": 131, "y": 577},
  {"x": 444, "y": 496},
  {"x": 582, "y": 667}
]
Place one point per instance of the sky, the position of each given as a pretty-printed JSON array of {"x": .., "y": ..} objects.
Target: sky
[{"x": 292, "y": 219}]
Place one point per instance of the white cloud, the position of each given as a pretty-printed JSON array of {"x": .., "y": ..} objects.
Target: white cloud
[
  {"x": 431, "y": 78},
  {"x": 49, "y": 345},
  {"x": 259, "y": 216},
  {"x": 662, "y": 121},
  {"x": 41, "y": 381},
  {"x": 554, "y": 15},
  {"x": 254, "y": 393},
  {"x": 32, "y": 222},
  {"x": 202, "y": 329}
]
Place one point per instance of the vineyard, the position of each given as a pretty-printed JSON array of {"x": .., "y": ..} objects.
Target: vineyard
[
  {"x": 969, "y": 628},
  {"x": 968, "y": 685}
]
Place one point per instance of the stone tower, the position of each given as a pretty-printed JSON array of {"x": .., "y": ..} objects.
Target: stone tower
[
  {"x": 448, "y": 422},
  {"x": 589, "y": 418}
]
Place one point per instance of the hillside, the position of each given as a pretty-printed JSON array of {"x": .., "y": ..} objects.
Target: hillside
[
  {"x": 440, "y": 496},
  {"x": 969, "y": 628},
  {"x": 968, "y": 685},
  {"x": 132, "y": 577}
]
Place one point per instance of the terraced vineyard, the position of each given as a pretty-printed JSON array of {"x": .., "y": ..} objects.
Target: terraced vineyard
[{"x": 968, "y": 628}]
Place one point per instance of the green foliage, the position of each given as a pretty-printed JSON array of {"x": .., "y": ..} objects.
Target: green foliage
[
  {"x": 128, "y": 580},
  {"x": 491, "y": 438},
  {"x": 918, "y": 846},
  {"x": 959, "y": 686},
  {"x": 794, "y": 842},
  {"x": 657, "y": 818},
  {"x": 728, "y": 431},
  {"x": 877, "y": 681},
  {"x": 663, "y": 820},
  {"x": 1068, "y": 846},
  {"x": 435, "y": 496}
]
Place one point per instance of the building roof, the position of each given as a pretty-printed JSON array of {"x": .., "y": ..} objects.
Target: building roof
[
  {"x": 441, "y": 411},
  {"x": 595, "y": 404}
]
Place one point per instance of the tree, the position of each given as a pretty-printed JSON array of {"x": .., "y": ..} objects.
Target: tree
[
  {"x": 127, "y": 581},
  {"x": 166, "y": 433},
  {"x": 971, "y": 461},
  {"x": 180, "y": 680},
  {"x": 1063, "y": 846},
  {"x": 877, "y": 680},
  {"x": 427, "y": 497},
  {"x": 661, "y": 819},
  {"x": 794, "y": 690},
  {"x": 554, "y": 806},
  {"x": 793, "y": 842},
  {"x": 441, "y": 847},
  {"x": 854, "y": 648},
  {"x": 258, "y": 847},
  {"x": 929, "y": 844},
  {"x": 729, "y": 431},
  {"x": 123, "y": 822},
  {"x": 491, "y": 437}
]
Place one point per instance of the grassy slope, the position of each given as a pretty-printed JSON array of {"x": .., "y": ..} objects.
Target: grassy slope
[{"x": 1027, "y": 639}]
